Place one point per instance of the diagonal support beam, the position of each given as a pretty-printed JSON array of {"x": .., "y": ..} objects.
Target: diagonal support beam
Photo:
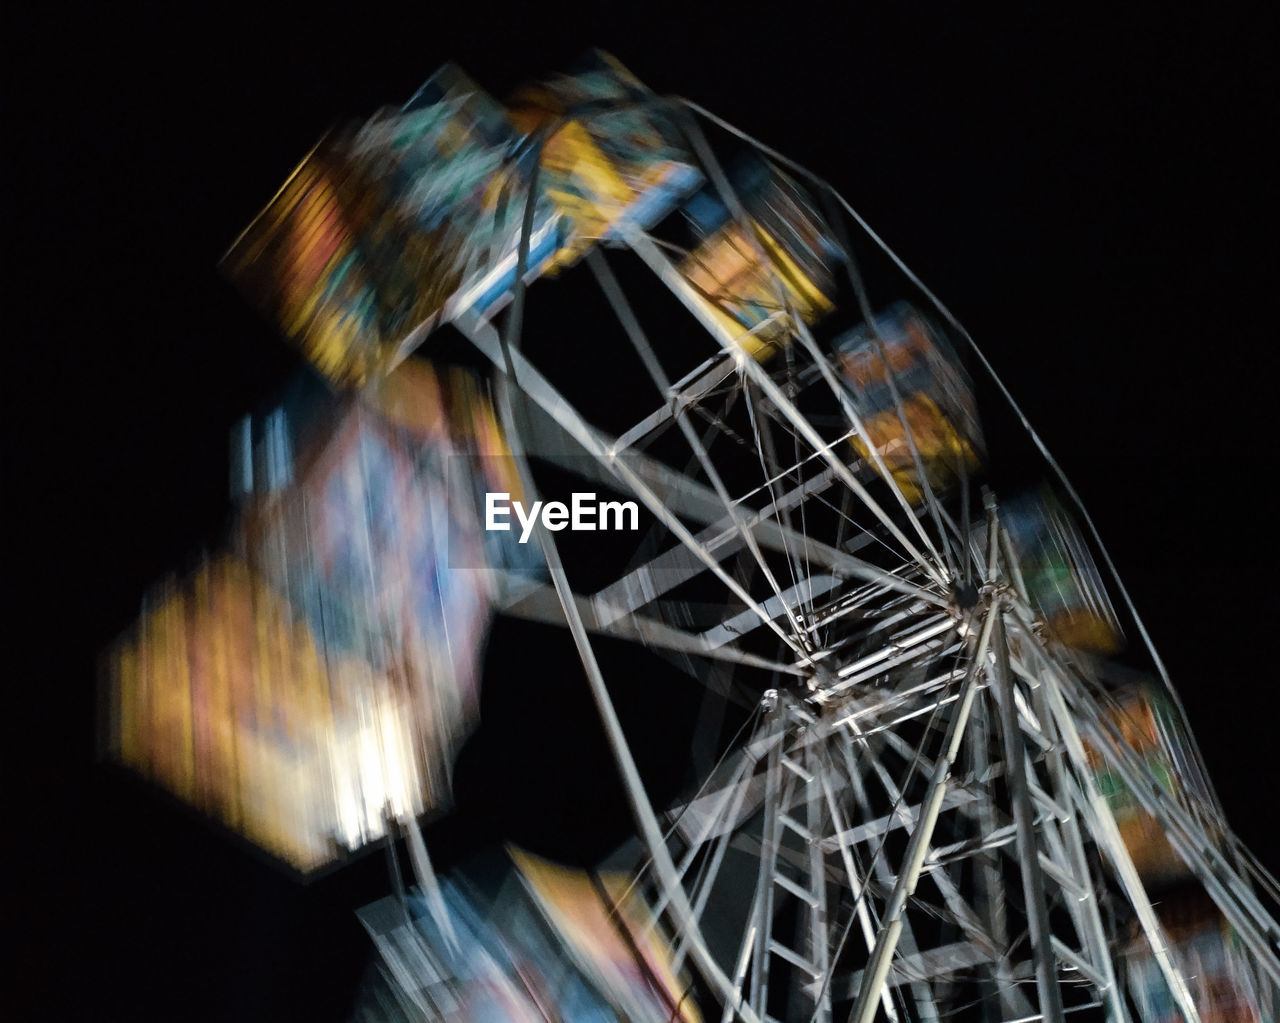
[{"x": 873, "y": 979}]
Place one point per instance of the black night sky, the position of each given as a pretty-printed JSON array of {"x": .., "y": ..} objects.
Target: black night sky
[{"x": 1087, "y": 190}]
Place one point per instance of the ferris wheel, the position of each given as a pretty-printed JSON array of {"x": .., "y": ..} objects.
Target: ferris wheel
[{"x": 940, "y": 799}]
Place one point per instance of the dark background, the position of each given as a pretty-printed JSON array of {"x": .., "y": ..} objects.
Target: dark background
[{"x": 1086, "y": 190}]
